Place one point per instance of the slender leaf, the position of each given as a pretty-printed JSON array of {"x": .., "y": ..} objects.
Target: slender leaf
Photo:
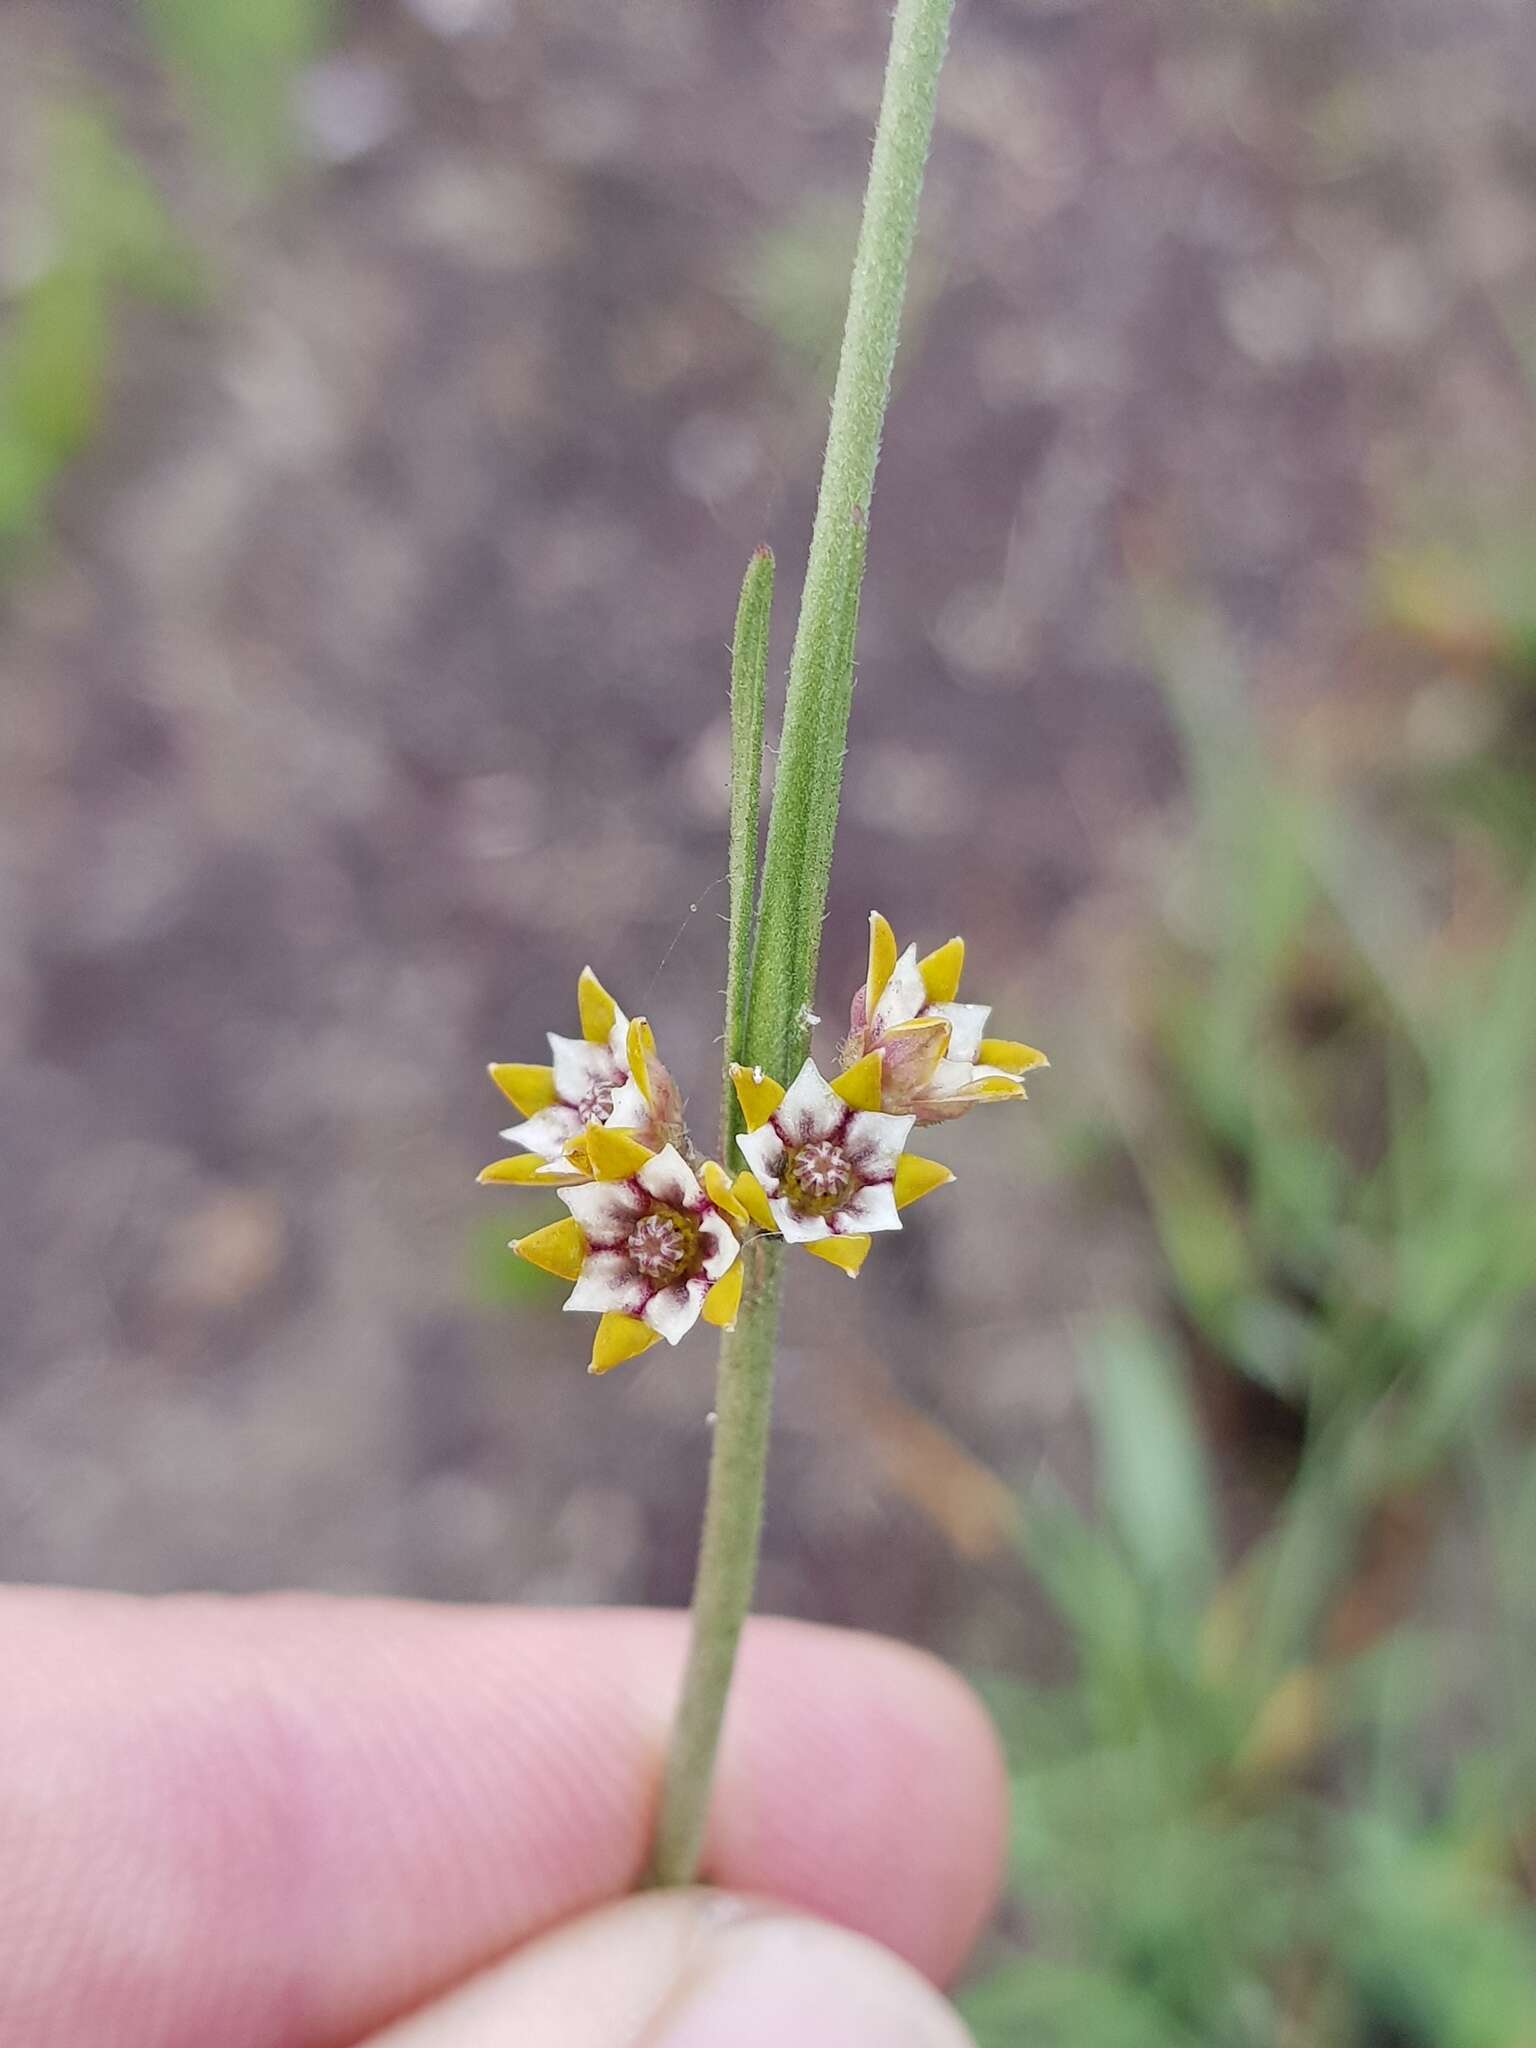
[
  {"x": 1154, "y": 1478},
  {"x": 749, "y": 669},
  {"x": 797, "y": 860}
]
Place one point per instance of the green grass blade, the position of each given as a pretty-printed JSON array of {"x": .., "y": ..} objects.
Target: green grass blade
[
  {"x": 749, "y": 670},
  {"x": 239, "y": 59},
  {"x": 1154, "y": 1478}
]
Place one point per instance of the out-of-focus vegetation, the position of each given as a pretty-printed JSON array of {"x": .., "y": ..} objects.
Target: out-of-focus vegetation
[
  {"x": 236, "y": 64},
  {"x": 1474, "y": 609},
  {"x": 104, "y": 235},
  {"x": 793, "y": 281},
  {"x": 1287, "y": 1794}
]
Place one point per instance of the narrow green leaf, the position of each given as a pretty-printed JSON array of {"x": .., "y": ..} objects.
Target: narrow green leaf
[
  {"x": 797, "y": 861},
  {"x": 1204, "y": 1235},
  {"x": 828, "y": 766},
  {"x": 749, "y": 669},
  {"x": 1154, "y": 1478}
]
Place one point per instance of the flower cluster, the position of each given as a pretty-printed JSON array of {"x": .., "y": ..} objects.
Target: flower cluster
[
  {"x": 935, "y": 1062},
  {"x": 610, "y": 1078},
  {"x": 654, "y": 1234}
]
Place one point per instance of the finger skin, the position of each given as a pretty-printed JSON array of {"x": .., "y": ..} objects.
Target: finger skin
[
  {"x": 689, "y": 1970},
  {"x": 278, "y": 1823}
]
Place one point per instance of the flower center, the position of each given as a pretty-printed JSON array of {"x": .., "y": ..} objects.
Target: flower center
[
  {"x": 819, "y": 1177},
  {"x": 597, "y": 1103},
  {"x": 664, "y": 1247}
]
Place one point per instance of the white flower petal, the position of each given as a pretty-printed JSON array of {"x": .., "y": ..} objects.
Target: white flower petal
[
  {"x": 580, "y": 1067},
  {"x": 607, "y": 1210},
  {"x": 669, "y": 1178},
  {"x": 547, "y": 1132},
  {"x": 809, "y": 1109},
  {"x": 608, "y": 1282},
  {"x": 903, "y": 995},
  {"x": 870, "y": 1208},
  {"x": 673, "y": 1311},
  {"x": 981, "y": 1073},
  {"x": 630, "y": 1111},
  {"x": 718, "y": 1243},
  {"x": 873, "y": 1142},
  {"x": 763, "y": 1151},
  {"x": 951, "y": 1077},
  {"x": 968, "y": 1024},
  {"x": 797, "y": 1229}
]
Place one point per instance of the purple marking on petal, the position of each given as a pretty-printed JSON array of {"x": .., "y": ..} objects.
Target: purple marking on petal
[
  {"x": 874, "y": 1142},
  {"x": 585, "y": 1074},
  {"x": 669, "y": 1178},
  {"x": 672, "y": 1311},
  {"x": 872, "y": 1208},
  {"x": 606, "y": 1210},
  {"x": 809, "y": 1109},
  {"x": 629, "y": 1111},
  {"x": 718, "y": 1243},
  {"x": 763, "y": 1150},
  {"x": 796, "y": 1229},
  {"x": 608, "y": 1283}
]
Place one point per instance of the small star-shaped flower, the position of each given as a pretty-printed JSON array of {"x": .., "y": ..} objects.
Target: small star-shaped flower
[
  {"x": 648, "y": 1245},
  {"x": 829, "y": 1168},
  {"x": 935, "y": 1061},
  {"x": 610, "y": 1077}
]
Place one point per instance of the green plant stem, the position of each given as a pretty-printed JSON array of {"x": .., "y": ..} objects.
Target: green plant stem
[
  {"x": 799, "y": 851},
  {"x": 722, "y": 1593},
  {"x": 792, "y": 896}
]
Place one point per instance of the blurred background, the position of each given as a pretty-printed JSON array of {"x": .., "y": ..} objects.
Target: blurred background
[{"x": 390, "y": 394}]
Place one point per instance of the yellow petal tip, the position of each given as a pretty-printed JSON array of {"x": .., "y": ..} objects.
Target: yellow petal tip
[
  {"x": 526, "y": 1170},
  {"x": 560, "y": 1248},
  {"x": 724, "y": 1299},
  {"x": 1009, "y": 1054},
  {"x": 758, "y": 1093},
  {"x": 846, "y": 1253},
  {"x": 528, "y": 1087},
  {"x": 640, "y": 1047},
  {"x": 619, "y": 1338},
  {"x": 999, "y": 1088},
  {"x": 882, "y": 960},
  {"x": 940, "y": 970},
  {"x": 614, "y": 1155},
  {"x": 859, "y": 1086},
  {"x": 716, "y": 1183},
  {"x": 918, "y": 1177},
  {"x": 748, "y": 1191},
  {"x": 599, "y": 1012}
]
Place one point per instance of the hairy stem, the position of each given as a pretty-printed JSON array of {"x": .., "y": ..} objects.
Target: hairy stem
[
  {"x": 722, "y": 1592},
  {"x": 792, "y": 895}
]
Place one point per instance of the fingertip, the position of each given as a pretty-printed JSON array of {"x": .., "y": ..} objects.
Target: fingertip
[
  {"x": 448, "y": 1783},
  {"x": 690, "y": 1969},
  {"x": 862, "y": 1779}
]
